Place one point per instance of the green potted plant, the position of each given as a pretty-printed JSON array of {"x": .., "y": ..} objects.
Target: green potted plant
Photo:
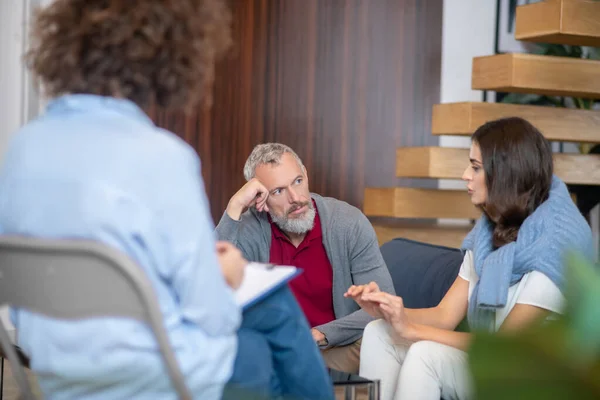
[{"x": 556, "y": 360}]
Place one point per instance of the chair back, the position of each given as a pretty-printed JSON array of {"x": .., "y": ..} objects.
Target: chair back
[{"x": 77, "y": 279}]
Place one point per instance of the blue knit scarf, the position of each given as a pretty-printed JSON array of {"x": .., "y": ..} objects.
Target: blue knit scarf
[{"x": 554, "y": 227}]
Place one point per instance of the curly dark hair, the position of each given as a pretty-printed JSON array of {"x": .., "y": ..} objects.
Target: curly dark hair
[
  {"x": 518, "y": 166},
  {"x": 160, "y": 52}
]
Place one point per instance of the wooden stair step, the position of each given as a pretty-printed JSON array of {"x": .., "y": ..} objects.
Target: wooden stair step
[
  {"x": 450, "y": 163},
  {"x": 557, "y": 124},
  {"x": 427, "y": 232},
  {"x": 574, "y": 22},
  {"x": 403, "y": 202},
  {"x": 530, "y": 73}
]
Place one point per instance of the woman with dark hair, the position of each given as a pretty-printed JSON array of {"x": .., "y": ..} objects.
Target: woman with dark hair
[
  {"x": 95, "y": 167},
  {"x": 511, "y": 273}
]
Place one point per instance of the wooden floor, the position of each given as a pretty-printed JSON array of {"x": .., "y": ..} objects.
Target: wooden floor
[
  {"x": 11, "y": 391},
  {"x": 360, "y": 394}
]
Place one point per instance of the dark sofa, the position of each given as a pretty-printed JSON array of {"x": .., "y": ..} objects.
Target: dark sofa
[{"x": 422, "y": 273}]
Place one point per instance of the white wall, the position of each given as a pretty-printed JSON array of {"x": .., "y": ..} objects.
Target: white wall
[
  {"x": 12, "y": 33},
  {"x": 18, "y": 99},
  {"x": 468, "y": 30}
]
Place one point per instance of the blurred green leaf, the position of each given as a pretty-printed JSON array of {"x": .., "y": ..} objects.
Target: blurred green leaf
[
  {"x": 533, "y": 365},
  {"x": 549, "y": 360},
  {"x": 584, "y": 104},
  {"x": 583, "y": 309},
  {"x": 587, "y": 103}
]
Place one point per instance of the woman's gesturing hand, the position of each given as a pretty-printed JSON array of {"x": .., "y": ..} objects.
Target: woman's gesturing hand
[{"x": 358, "y": 292}]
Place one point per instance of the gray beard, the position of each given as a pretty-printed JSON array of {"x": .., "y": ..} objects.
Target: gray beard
[{"x": 296, "y": 226}]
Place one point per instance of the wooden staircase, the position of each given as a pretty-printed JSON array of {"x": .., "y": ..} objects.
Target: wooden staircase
[
  {"x": 557, "y": 124},
  {"x": 575, "y": 22},
  {"x": 418, "y": 203},
  {"x": 529, "y": 73},
  {"x": 449, "y": 163}
]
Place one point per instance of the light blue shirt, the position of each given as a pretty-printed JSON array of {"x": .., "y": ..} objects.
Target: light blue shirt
[{"x": 98, "y": 168}]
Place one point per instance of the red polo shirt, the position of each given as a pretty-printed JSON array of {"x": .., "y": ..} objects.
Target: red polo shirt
[{"x": 312, "y": 288}]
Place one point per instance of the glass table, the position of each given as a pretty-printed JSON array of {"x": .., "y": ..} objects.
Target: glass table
[{"x": 353, "y": 383}]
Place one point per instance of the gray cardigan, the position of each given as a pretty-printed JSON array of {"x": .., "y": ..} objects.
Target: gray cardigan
[{"x": 351, "y": 246}]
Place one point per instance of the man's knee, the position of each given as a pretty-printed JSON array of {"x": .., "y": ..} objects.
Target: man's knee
[{"x": 343, "y": 358}]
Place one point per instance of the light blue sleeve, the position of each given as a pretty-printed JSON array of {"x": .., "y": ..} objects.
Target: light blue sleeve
[{"x": 194, "y": 271}]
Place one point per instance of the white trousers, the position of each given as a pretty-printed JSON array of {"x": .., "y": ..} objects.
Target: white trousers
[{"x": 422, "y": 370}]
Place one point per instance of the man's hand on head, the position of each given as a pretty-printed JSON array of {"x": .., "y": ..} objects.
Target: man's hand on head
[{"x": 252, "y": 194}]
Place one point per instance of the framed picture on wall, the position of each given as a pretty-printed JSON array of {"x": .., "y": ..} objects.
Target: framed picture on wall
[{"x": 505, "y": 27}]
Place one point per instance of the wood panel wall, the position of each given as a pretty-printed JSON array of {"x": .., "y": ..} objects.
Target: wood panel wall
[{"x": 343, "y": 82}]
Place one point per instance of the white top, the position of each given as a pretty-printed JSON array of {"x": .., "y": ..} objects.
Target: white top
[{"x": 534, "y": 288}]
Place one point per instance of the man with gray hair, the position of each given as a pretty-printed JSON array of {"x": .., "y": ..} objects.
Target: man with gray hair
[{"x": 274, "y": 218}]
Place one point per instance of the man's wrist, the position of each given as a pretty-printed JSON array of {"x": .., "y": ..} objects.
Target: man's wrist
[
  {"x": 319, "y": 337},
  {"x": 323, "y": 342},
  {"x": 234, "y": 212}
]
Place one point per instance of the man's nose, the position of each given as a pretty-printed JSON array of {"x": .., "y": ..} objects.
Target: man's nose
[{"x": 294, "y": 198}]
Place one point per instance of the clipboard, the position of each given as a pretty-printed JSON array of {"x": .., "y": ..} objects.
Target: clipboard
[{"x": 260, "y": 280}]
